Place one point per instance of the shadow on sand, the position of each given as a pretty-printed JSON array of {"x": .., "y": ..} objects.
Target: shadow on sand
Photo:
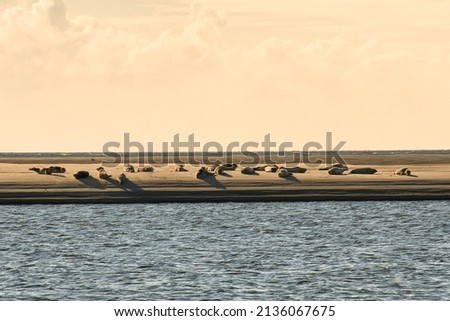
[
  {"x": 126, "y": 186},
  {"x": 212, "y": 180},
  {"x": 92, "y": 182},
  {"x": 255, "y": 173},
  {"x": 293, "y": 179},
  {"x": 59, "y": 175}
]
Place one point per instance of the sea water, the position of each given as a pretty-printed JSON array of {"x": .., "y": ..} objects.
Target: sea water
[{"x": 226, "y": 251}]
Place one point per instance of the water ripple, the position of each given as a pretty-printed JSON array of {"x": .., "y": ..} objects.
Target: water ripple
[{"x": 227, "y": 251}]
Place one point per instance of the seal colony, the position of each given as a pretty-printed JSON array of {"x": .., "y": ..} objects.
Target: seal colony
[
  {"x": 34, "y": 180},
  {"x": 218, "y": 169}
]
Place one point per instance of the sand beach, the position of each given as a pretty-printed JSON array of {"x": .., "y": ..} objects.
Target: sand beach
[{"x": 430, "y": 179}]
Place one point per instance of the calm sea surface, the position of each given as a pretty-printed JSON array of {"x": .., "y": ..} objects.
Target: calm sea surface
[{"x": 227, "y": 251}]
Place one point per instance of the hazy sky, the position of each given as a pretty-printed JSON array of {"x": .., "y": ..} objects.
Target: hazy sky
[{"x": 75, "y": 74}]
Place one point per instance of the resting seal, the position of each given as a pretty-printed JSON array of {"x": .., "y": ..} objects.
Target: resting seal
[
  {"x": 201, "y": 172},
  {"x": 180, "y": 168},
  {"x": 295, "y": 169},
  {"x": 40, "y": 170},
  {"x": 247, "y": 171},
  {"x": 336, "y": 171},
  {"x": 271, "y": 168},
  {"x": 218, "y": 170},
  {"x": 282, "y": 172},
  {"x": 128, "y": 168},
  {"x": 102, "y": 173},
  {"x": 403, "y": 171},
  {"x": 146, "y": 168},
  {"x": 229, "y": 167},
  {"x": 81, "y": 174},
  {"x": 57, "y": 169},
  {"x": 211, "y": 168},
  {"x": 122, "y": 178},
  {"x": 366, "y": 170}
]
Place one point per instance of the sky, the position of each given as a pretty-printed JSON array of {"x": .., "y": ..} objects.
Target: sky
[{"x": 76, "y": 74}]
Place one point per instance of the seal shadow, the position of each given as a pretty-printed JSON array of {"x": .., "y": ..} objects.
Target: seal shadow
[
  {"x": 293, "y": 179},
  {"x": 212, "y": 180},
  {"x": 225, "y": 175},
  {"x": 255, "y": 173},
  {"x": 126, "y": 186},
  {"x": 59, "y": 175},
  {"x": 91, "y": 182}
]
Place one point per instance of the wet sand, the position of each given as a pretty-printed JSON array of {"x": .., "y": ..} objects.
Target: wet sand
[{"x": 430, "y": 180}]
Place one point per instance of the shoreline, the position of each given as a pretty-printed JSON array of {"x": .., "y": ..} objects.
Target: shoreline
[
  {"x": 166, "y": 159},
  {"x": 80, "y": 199}
]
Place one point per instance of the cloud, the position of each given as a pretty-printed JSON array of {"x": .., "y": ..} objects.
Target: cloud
[
  {"x": 53, "y": 63},
  {"x": 41, "y": 40}
]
